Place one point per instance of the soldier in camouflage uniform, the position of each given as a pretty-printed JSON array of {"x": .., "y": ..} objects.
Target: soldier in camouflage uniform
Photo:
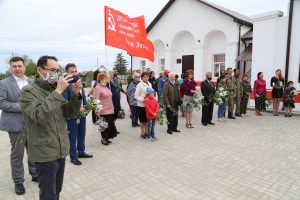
[
  {"x": 231, "y": 93},
  {"x": 246, "y": 93},
  {"x": 238, "y": 92}
]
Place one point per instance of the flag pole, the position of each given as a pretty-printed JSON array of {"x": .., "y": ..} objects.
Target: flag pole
[{"x": 106, "y": 60}]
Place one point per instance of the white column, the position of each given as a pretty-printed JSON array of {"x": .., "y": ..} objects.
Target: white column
[
  {"x": 168, "y": 59},
  {"x": 198, "y": 62},
  {"x": 231, "y": 54}
]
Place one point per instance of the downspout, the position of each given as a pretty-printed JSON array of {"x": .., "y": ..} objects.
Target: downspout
[
  {"x": 239, "y": 45},
  {"x": 288, "y": 46}
]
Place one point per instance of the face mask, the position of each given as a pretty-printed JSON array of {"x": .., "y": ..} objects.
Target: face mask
[
  {"x": 51, "y": 77},
  {"x": 209, "y": 79},
  {"x": 291, "y": 86}
]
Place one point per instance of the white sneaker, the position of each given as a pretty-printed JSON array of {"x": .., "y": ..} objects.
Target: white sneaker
[
  {"x": 246, "y": 114},
  {"x": 220, "y": 119}
]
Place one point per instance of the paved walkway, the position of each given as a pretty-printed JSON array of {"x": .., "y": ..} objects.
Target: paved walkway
[{"x": 247, "y": 158}]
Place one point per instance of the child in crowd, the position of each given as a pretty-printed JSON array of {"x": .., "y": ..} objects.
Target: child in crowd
[
  {"x": 152, "y": 109},
  {"x": 222, "y": 88},
  {"x": 289, "y": 95}
]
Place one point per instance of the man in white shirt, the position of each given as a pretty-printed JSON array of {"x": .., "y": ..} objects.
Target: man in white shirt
[{"x": 12, "y": 121}]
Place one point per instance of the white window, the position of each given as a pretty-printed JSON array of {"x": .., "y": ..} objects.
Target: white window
[
  {"x": 219, "y": 64},
  {"x": 162, "y": 63},
  {"x": 143, "y": 65}
]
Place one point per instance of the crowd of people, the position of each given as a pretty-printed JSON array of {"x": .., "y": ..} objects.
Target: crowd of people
[{"x": 43, "y": 114}]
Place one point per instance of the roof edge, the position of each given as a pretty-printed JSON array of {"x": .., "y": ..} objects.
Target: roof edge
[
  {"x": 169, "y": 4},
  {"x": 160, "y": 14}
]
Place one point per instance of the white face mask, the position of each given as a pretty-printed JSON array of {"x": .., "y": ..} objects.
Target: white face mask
[{"x": 51, "y": 77}]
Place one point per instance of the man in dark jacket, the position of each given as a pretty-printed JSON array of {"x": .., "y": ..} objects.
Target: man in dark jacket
[
  {"x": 76, "y": 130},
  {"x": 45, "y": 112},
  {"x": 172, "y": 100},
  {"x": 208, "y": 91}
]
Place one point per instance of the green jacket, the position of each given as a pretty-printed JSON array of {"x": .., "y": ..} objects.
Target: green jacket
[
  {"x": 45, "y": 112},
  {"x": 230, "y": 86}
]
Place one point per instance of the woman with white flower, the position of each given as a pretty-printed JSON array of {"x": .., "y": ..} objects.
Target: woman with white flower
[
  {"x": 222, "y": 89},
  {"x": 106, "y": 111},
  {"x": 277, "y": 83}
]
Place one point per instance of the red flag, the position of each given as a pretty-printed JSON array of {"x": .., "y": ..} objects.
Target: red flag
[{"x": 127, "y": 33}]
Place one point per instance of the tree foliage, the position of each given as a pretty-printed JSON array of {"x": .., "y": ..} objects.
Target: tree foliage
[
  {"x": 29, "y": 63},
  {"x": 121, "y": 64}
]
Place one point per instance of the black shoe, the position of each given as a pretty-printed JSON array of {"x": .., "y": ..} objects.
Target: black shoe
[
  {"x": 104, "y": 143},
  {"x": 85, "y": 155},
  {"x": 176, "y": 130},
  {"x": 118, "y": 132},
  {"x": 238, "y": 115},
  {"x": 137, "y": 125},
  {"x": 76, "y": 162},
  {"x": 211, "y": 123},
  {"x": 34, "y": 179},
  {"x": 19, "y": 189},
  {"x": 191, "y": 126},
  {"x": 169, "y": 132},
  {"x": 204, "y": 124},
  {"x": 231, "y": 117}
]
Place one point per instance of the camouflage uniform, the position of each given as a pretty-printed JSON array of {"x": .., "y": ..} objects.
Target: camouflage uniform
[
  {"x": 231, "y": 95},
  {"x": 238, "y": 94},
  {"x": 245, "y": 97}
]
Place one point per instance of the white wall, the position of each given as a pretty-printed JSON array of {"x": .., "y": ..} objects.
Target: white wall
[
  {"x": 269, "y": 46},
  {"x": 199, "y": 20}
]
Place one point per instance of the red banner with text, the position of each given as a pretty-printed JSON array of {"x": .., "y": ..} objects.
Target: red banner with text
[{"x": 127, "y": 33}]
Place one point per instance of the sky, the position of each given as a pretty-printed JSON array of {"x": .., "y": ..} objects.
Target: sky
[{"x": 73, "y": 30}]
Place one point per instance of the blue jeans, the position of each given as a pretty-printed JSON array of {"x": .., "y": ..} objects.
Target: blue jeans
[
  {"x": 222, "y": 108},
  {"x": 151, "y": 126},
  {"x": 76, "y": 137}
]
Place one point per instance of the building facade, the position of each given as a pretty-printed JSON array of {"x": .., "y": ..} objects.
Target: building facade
[{"x": 197, "y": 35}]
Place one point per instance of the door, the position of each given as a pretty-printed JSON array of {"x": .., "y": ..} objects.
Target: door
[{"x": 187, "y": 63}]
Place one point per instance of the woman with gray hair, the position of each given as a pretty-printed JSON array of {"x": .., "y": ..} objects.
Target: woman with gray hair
[{"x": 131, "y": 100}]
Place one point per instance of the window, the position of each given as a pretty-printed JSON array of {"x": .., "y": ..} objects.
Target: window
[
  {"x": 143, "y": 65},
  {"x": 219, "y": 64},
  {"x": 162, "y": 63}
]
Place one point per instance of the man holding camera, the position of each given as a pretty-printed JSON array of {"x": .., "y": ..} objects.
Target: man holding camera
[
  {"x": 45, "y": 112},
  {"x": 76, "y": 131}
]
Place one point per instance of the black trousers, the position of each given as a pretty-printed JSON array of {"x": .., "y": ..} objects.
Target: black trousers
[
  {"x": 207, "y": 112},
  {"x": 94, "y": 117},
  {"x": 172, "y": 120},
  {"x": 50, "y": 176}
]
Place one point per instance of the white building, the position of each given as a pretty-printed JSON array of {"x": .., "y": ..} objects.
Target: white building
[
  {"x": 195, "y": 34},
  {"x": 271, "y": 48},
  {"x": 199, "y": 35}
]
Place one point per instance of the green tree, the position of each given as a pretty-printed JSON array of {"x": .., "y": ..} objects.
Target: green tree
[
  {"x": 4, "y": 75},
  {"x": 29, "y": 63},
  {"x": 121, "y": 64}
]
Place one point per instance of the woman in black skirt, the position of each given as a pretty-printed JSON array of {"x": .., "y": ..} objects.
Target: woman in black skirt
[
  {"x": 277, "y": 83},
  {"x": 139, "y": 95}
]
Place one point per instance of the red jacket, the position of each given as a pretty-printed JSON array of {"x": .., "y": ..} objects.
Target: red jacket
[{"x": 151, "y": 106}]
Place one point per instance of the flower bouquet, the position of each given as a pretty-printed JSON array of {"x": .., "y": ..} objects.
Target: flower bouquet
[
  {"x": 102, "y": 124},
  {"x": 196, "y": 102},
  {"x": 161, "y": 117},
  {"x": 91, "y": 104},
  {"x": 277, "y": 85},
  {"x": 220, "y": 94}
]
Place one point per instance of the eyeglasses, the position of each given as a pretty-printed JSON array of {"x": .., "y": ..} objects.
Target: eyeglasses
[{"x": 52, "y": 70}]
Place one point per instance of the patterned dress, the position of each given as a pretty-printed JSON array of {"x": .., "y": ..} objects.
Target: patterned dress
[{"x": 289, "y": 95}]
